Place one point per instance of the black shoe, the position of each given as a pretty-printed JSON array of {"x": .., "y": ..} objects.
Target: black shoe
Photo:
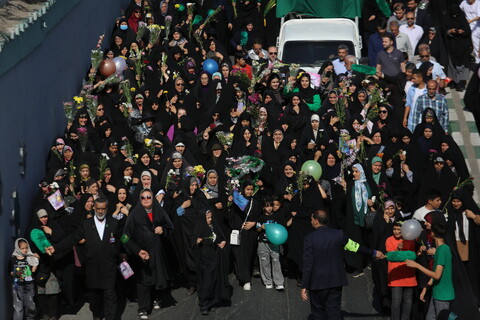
[
  {"x": 467, "y": 109},
  {"x": 357, "y": 274},
  {"x": 204, "y": 312},
  {"x": 191, "y": 291},
  {"x": 459, "y": 87}
]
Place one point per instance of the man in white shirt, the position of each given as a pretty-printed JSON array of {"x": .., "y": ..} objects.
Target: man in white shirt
[
  {"x": 257, "y": 52},
  {"x": 472, "y": 13},
  {"x": 413, "y": 31},
  {"x": 339, "y": 63},
  {"x": 437, "y": 72},
  {"x": 402, "y": 40}
]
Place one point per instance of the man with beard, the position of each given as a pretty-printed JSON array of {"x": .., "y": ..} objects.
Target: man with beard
[
  {"x": 144, "y": 235},
  {"x": 101, "y": 240}
]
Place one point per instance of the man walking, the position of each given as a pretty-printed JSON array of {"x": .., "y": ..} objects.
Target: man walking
[{"x": 323, "y": 267}]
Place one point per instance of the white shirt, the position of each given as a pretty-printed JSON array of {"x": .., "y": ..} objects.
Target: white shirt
[
  {"x": 339, "y": 66},
  {"x": 420, "y": 213},
  {"x": 100, "y": 225},
  {"x": 414, "y": 34},
  {"x": 472, "y": 11},
  {"x": 404, "y": 44},
  {"x": 252, "y": 55}
]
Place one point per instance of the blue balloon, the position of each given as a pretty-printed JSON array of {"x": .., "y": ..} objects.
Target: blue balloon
[
  {"x": 276, "y": 233},
  {"x": 210, "y": 65}
]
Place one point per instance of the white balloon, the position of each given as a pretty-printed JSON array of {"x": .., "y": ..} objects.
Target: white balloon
[
  {"x": 120, "y": 65},
  {"x": 411, "y": 229}
]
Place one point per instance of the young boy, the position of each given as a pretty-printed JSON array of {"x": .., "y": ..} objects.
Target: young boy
[
  {"x": 441, "y": 276},
  {"x": 23, "y": 264},
  {"x": 268, "y": 253},
  {"x": 401, "y": 279}
]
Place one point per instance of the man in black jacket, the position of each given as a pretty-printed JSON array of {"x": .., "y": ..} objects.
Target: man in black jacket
[
  {"x": 323, "y": 267},
  {"x": 102, "y": 243}
]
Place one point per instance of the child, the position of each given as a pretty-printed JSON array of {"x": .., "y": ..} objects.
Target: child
[
  {"x": 268, "y": 253},
  {"x": 400, "y": 278},
  {"x": 441, "y": 276},
  {"x": 23, "y": 264}
]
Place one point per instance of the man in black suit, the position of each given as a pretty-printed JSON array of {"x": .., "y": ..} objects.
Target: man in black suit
[
  {"x": 323, "y": 267},
  {"x": 102, "y": 243}
]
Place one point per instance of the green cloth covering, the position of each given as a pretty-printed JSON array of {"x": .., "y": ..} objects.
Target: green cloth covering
[
  {"x": 38, "y": 237},
  {"x": 400, "y": 256},
  {"x": 443, "y": 288},
  {"x": 315, "y": 105},
  {"x": 327, "y": 8},
  {"x": 368, "y": 70},
  {"x": 351, "y": 246}
]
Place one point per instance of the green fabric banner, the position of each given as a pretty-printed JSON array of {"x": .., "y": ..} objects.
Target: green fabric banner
[{"x": 327, "y": 8}]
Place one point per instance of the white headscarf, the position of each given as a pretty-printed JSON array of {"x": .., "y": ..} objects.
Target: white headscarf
[
  {"x": 361, "y": 193},
  {"x": 31, "y": 259}
]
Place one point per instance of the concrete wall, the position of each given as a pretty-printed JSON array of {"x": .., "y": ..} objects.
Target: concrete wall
[{"x": 31, "y": 96}]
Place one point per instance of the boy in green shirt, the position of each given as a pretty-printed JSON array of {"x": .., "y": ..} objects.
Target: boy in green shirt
[{"x": 441, "y": 276}]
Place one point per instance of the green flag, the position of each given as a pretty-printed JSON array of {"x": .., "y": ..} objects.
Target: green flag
[{"x": 327, "y": 8}]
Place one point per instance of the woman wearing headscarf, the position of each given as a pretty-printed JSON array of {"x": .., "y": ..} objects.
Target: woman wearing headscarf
[
  {"x": 359, "y": 204},
  {"x": 242, "y": 39},
  {"x": 211, "y": 262},
  {"x": 189, "y": 205},
  {"x": 452, "y": 152},
  {"x": 214, "y": 191},
  {"x": 214, "y": 50},
  {"x": 309, "y": 95},
  {"x": 245, "y": 143},
  {"x": 377, "y": 179},
  {"x": 298, "y": 115},
  {"x": 439, "y": 177},
  {"x": 274, "y": 153},
  {"x": 299, "y": 224},
  {"x": 463, "y": 221},
  {"x": 327, "y": 78},
  {"x": 331, "y": 174},
  {"x": 48, "y": 273},
  {"x": 121, "y": 206},
  {"x": 145, "y": 162},
  {"x": 243, "y": 214},
  {"x": 286, "y": 186}
]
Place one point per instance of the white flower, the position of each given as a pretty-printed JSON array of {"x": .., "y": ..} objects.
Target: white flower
[
  {"x": 54, "y": 185},
  {"x": 127, "y": 178},
  {"x": 171, "y": 172},
  {"x": 105, "y": 156},
  {"x": 374, "y": 198}
]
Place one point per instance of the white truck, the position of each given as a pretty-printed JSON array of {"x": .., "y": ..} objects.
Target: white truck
[{"x": 310, "y": 42}]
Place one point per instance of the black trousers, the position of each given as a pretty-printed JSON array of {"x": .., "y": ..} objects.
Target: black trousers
[
  {"x": 144, "y": 295},
  {"x": 325, "y": 304},
  {"x": 103, "y": 302}
]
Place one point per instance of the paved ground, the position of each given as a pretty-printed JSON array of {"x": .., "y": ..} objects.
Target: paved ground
[{"x": 259, "y": 303}]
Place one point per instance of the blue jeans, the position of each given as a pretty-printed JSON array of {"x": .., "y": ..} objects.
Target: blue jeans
[
  {"x": 402, "y": 298},
  {"x": 23, "y": 305}
]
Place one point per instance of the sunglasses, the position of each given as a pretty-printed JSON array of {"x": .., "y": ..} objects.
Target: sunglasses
[
  {"x": 272, "y": 53},
  {"x": 425, "y": 56},
  {"x": 410, "y": 18},
  {"x": 146, "y": 197},
  {"x": 99, "y": 109},
  {"x": 180, "y": 84},
  {"x": 383, "y": 111}
]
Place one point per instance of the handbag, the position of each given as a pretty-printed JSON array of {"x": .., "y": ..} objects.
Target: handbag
[{"x": 235, "y": 235}]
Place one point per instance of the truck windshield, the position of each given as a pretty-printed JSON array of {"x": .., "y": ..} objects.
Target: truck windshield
[{"x": 312, "y": 53}]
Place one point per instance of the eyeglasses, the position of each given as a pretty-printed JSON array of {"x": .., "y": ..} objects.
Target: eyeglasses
[
  {"x": 425, "y": 56},
  {"x": 272, "y": 53},
  {"x": 410, "y": 18},
  {"x": 100, "y": 109},
  {"x": 146, "y": 197},
  {"x": 383, "y": 111},
  {"x": 180, "y": 84}
]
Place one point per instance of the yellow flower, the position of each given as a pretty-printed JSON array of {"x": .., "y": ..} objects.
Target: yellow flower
[
  {"x": 136, "y": 155},
  {"x": 165, "y": 91},
  {"x": 162, "y": 27},
  {"x": 78, "y": 99},
  {"x": 148, "y": 142},
  {"x": 177, "y": 6},
  {"x": 132, "y": 89}
]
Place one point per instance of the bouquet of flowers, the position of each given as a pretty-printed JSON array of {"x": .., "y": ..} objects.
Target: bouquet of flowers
[
  {"x": 137, "y": 57},
  {"x": 91, "y": 104},
  {"x": 253, "y": 105},
  {"x": 241, "y": 76},
  {"x": 168, "y": 23},
  {"x": 155, "y": 31},
  {"x": 126, "y": 92},
  {"x": 69, "y": 111},
  {"x": 71, "y": 173},
  {"x": 96, "y": 57},
  {"x": 82, "y": 137},
  {"x": 198, "y": 172},
  {"x": 232, "y": 184},
  {"x": 111, "y": 80},
  {"x": 211, "y": 15},
  {"x": 301, "y": 179},
  {"x": 225, "y": 138},
  {"x": 294, "y": 67},
  {"x": 173, "y": 177},
  {"x": 103, "y": 164},
  {"x": 142, "y": 27},
  {"x": 340, "y": 107},
  {"x": 150, "y": 146}
]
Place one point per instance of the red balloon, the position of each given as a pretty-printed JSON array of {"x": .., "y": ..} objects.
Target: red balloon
[{"x": 107, "y": 67}]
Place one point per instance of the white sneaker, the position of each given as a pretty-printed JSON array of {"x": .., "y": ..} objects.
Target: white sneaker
[
  {"x": 247, "y": 286},
  {"x": 143, "y": 315},
  {"x": 156, "y": 305},
  {"x": 279, "y": 287},
  {"x": 269, "y": 286}
]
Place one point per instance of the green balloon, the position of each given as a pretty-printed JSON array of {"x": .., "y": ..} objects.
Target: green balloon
[
  {"x": 313, "y": 168},
  {"x": 276, "y": 233}
]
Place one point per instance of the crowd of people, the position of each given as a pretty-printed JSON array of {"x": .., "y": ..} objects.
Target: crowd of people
[{"x": 169, "y": 172}]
